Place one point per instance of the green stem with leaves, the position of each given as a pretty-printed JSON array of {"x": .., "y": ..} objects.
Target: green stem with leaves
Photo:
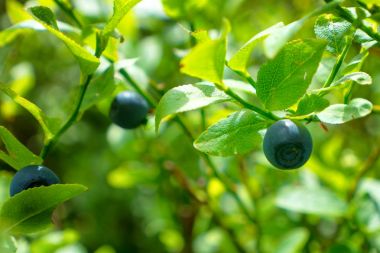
[
  {"x": 72, "y": 119},
  {"x": 249, "y": 106},
  {"x": 356, "y": 22},
  {"x": 338, "y": 64},
  {"x": 205, "y": 157}
]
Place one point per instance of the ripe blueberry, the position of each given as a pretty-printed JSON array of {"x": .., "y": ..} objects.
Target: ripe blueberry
[
  {"x": 287, "y": 145},
  {"x": 32, "y": 176},
  {"x": 129, "y": 110}
]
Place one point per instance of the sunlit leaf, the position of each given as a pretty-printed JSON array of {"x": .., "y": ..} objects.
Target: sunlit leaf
[
  {"x": 342, "y": 113},
  {"x": 88, "y": 63},
  {"x": 235, "y": 135},
  {"x": 285, "y": 79},
  {"x": 18, "y": 155},
  {"x": 187, "y": 98},
  {"x": 30, "y": 210}
]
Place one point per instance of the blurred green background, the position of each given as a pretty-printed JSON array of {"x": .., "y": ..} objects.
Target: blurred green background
[{"x": 134, "y": 202}]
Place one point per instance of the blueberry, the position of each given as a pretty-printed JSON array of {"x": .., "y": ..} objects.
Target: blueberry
[
  {"x": 32, "y": 176},
  {"x": 129, "y": 110},
  {"x": 287, "y": 145}
]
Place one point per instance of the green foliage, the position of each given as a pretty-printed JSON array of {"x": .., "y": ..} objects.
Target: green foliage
[
  {"x": 187, "y": 98},
  {"x": 316, "y": 201},
  {"x": 206, "y": 61},
  {"x": 202, "y": 183},
  {"x": 87, "y": 62},
  {"x": 342, "y": 113},
  {"x": 333, "y": 29},
  {"x": 236, "y": 135},
  {"x": 298, "y": 61},
  {"x": 240, "y": 59},
  {"x": 17, "y": 156},
  {"x": 294, "y": 241},
  {"x": 30, "y": 210},
  {"x": 311, "y": 103}
]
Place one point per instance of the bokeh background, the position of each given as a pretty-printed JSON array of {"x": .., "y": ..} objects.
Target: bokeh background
[{"x": 134, "y": 202}]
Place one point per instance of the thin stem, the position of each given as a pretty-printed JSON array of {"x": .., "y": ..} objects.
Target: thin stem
[
  {"x": 50, "y": 144},
  {"x": 260, "y": 111},
  {"x": 203, "y": 120},
  {"x": 244, "y": 76},
  {"x": 367, "y": 166},
  {"x": 244, "y": 176},
  {"x": 183, "y": 182},
  {"x": 133, "y": 83},
  {"x": 337, "y": 65},
  {"x": 234, "y": 238}
]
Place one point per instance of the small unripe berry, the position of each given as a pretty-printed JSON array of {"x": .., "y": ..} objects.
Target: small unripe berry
[{"x": 287, "y": 145}]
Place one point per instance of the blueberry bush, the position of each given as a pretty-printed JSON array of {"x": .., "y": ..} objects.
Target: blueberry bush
[{"x": 205, "y": 126}]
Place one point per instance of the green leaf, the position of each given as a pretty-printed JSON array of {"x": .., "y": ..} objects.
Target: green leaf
[
  {"x": 356, "y": 63},
  {"x": 310, "y": 104},
  {"x": 239, "y": 60},
  {"x": 358, "y": 77},
  {"x": 99, "y": 89},
  {"x": 282, "y": 81},
  {"x": 277, "y": 39},
  {"x": 317, "y": 201},
  {"x": 342, "y": 113},
  {"x": 293, "y": 242},
  {"x": 206, "y": 61},
  {"x": 188, "y": 97},
  {"x": 18, "y": 155},
  {"x": 30, "y": 210},
  {"x": 45, "y": 15},
  {"x": 11, "y": 33},
  {"x": 120, "y": 9},
  {"x": 37, "y": 113},
  {"x": 333, "y": 29},
  {"x": 88, "y": 63},
  {"x": 236, "y": 135}
]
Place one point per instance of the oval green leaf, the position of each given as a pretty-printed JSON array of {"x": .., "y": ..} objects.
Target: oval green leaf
[
  {"x": 30, "y": 210},
  {"x": 187, "y": 98},
  {"x": 87, "y": 62},
  {"x": 206, "y": 61},
  {"x": 318, "y": 201},
  {"x": 236, "y": 135},
  {"x": 342, "y": 113},
  {"x": 282, "y": 81}
]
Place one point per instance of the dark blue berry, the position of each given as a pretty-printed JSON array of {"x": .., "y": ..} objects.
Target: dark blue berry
[
  {"x": 129, "y": 110},
  {"x": 287, "y": 145},
  {"x": 32, "y": 176}
]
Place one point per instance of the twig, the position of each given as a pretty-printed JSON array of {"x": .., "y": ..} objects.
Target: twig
[
  {"x": 244, "y": 176},
  {"x": 50, "y": 144},
  {"x": 182, "y": 180}
]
